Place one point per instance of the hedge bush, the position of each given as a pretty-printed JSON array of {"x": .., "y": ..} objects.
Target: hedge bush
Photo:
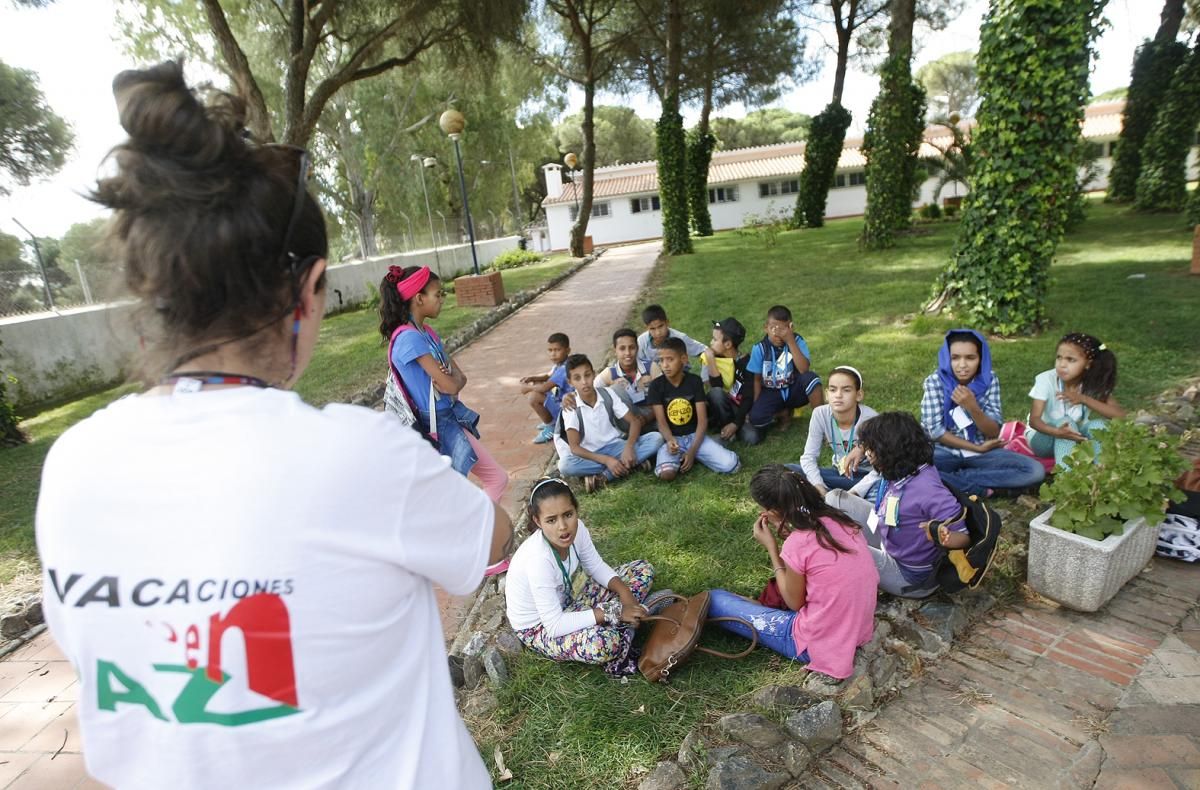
[
  {"x": 826, "y": 135},
  {"x": 1033, "y": 76},
  {"x": 512, "y": 259},
  {"x": 10, "y": 432},
  {"x": 1162, "y": 181},
  {"x": 699, "y": 154},
  {"x": 895, "y": 129},
  {"x": 672, "y": 177},
  {"x": 1153, "y": 67}
]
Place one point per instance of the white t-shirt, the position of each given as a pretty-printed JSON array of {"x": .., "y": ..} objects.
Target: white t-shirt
[
  {"x": 597, "y": 429},
  {"x": 1046, "y": 386},
  {"x": 535, "y": 593},
  {"x": 245, "y": 585}
]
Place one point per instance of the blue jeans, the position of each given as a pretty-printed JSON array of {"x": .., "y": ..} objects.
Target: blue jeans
[
  {"x": 831, "y": 478},
  {"x": 774, "y": 626},
  {"x": 574, "y": 466},
  {"x": 711, "y": 453},
  {"x": 997, "y": 468},
  {"x": 453, "y": 424}
]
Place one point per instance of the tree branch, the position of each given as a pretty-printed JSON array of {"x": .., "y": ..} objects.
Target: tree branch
[{"x": 257, "y": 118}]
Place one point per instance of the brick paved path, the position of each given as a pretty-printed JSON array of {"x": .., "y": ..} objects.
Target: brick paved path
[
  {"x": 588, "y": 307},
  {"x": 1022, "y": 701}
]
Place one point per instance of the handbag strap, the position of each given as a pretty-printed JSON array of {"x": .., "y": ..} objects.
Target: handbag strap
[
  {"x": 744, "y": 653},
  {"x": 710, "y": 651}
]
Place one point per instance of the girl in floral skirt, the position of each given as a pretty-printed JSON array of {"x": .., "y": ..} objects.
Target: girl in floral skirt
[{"x": 563, "y": 600}]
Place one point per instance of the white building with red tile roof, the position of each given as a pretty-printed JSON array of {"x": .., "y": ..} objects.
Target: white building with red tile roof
[{"x": 761, "y": 181}]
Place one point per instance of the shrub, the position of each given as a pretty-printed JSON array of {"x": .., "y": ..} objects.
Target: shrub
[
  {"x": 512, "y": 259},
  {"x": 764, "y": 227},
  {"x": 931, "y": 211},
  {"x": 671, "y": 148},
  {"x": 10, "y": 433},
  {"x": 950, "y": 211},
  {"x": 1131, "y": 477},
  {"x": 893, "y": 138}
]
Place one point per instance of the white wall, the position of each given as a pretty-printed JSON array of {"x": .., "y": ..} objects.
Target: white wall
[{"x": 56, "y": 355}]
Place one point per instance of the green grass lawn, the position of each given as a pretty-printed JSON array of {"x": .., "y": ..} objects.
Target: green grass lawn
[
  {"x": 350, "y": 356},
  {"x": 569, "y": 725}
]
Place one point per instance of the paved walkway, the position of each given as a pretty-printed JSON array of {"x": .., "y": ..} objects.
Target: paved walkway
[
  {"x": 588, "y": 307},
  {"x": 1042, "y": 697},
  {"x": 39, "y": 740}
]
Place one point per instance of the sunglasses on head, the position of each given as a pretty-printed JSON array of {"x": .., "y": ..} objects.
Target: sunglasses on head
[{"x": 303, "y": 170}]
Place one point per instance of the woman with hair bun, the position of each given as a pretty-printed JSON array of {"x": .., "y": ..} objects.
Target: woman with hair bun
[{"x": 244, "y": 582}]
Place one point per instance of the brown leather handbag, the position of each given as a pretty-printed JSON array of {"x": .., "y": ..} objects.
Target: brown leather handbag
[{"x": 676, "y": 633}]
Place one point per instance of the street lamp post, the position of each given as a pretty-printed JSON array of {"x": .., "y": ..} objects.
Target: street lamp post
[
  {"x": 412, "y": 238},
  {"x": 452, "y": 123},
  {"x": 422, "y": 163},
  {"x": 41, "y": 264}
]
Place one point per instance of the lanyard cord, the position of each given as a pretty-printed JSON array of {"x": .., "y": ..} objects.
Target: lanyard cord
[
  {"x": 214, "y": 377},
  {"x": 836, "y": 430},
  {"x": 562, "y": 568}
]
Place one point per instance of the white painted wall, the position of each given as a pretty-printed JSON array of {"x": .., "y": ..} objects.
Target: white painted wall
[{"x": 55, "y": 355}]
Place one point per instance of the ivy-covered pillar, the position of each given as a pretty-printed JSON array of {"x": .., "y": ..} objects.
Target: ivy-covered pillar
[
  {"x": 1033, "y": 76},
  {"x": 1153, "y": 65},
  {"x": 672, "y": 177},
  {"x": 827, "y": 133},
  {"x": 1162, "y": 181},
  {"x": 891, "y": 144},
  {"x": 699, "y": 154}
]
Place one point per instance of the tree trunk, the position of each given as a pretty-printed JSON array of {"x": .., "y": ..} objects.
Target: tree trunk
[
  {"x": 845, "y": 30},
  {"x": 1169, "y": 21},
  {"x": 588, "y": 158},
  {"x": 900, "y": 26},
  {"x": 672, "y": 143},
  {"x": 366, "y": 224},
  {"x": 699, "y": 155},
  {"x": 258, "y": 120}
]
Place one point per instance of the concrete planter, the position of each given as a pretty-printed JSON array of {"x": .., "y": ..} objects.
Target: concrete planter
[{"x": 1081, "y": 573}]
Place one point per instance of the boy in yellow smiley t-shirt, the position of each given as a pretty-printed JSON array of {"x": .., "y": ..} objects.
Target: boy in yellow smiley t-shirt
[{"x": 681, "y": 410}]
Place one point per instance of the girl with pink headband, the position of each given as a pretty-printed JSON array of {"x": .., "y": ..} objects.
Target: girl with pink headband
[{"x": 407, "y": 299}]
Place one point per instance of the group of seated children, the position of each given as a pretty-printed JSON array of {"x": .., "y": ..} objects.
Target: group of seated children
[
  {"x": 878, "y": 519},
  {"x": 649, "y": 402}
]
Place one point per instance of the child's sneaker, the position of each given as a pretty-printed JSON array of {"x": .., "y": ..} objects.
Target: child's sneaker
[
  {"x": 659, "y": 600},
  {"x": 593, "y": 483},
  {"x": 647, "y": 465},
  {"x": 498, "y": 568},
  {"x": 545, "y": 433}
]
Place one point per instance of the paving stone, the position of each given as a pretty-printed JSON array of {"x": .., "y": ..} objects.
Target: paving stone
[
  {"x": 921, "y": 638},
  {"x": 665, "y": 776},
  {"x": 752, "y": 729},
  {"x": 784, "y": 698},
  {"x": 883, "y": 670},
  {"x": 858, "y": 692},
  {"x": 796, "y": 757},
  {"x": 741, "y": 773},
  {"x": 818, "y": 727}
]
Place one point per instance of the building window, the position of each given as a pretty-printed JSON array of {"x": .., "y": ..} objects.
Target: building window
[
  {"x": 1095, "y": 150},
  {"x": 640, "y": 204},
  {"x": 769, "y": 188},
  {"x": 722, "y": 195},
  {"x": 856, "y": 179},
  {"x": 598, "y": 210}
]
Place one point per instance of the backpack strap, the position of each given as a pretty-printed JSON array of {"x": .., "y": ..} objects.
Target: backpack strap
[
  {"x": 617, "y": 422},
  {"x": 392, "y": 365}
]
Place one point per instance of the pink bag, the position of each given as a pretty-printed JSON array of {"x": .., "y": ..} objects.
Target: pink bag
[{"x": 1013, "y": 435}]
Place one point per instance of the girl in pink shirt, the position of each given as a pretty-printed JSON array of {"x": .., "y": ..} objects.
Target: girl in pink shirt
[{"x": 824, "y": 571}]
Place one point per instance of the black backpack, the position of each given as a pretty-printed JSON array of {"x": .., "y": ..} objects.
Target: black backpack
[
  {"x": 957, "y": 569},
  {"x": 617, "y": 422}
]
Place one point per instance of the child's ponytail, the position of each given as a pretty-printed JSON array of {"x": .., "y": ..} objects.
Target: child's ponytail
[
  {"x": 1100, "y": 378},
  {"x": 775, "y": 487},
  {"x": 393, "y": 309}
]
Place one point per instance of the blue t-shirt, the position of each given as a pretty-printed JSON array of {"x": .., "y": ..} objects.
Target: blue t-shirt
[
  {"x": 775, "y": 366},
  {"x": 410, "y": 346},
  {"x": 558, "y": 377}
]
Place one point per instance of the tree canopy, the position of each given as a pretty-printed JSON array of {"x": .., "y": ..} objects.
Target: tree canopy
[
  {"x": 951, "y": 85},
  {"x": 33, "y": 140},
  {"x": 621, "y": 136}
]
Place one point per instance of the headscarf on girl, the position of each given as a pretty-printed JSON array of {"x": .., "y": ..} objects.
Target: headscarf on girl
[{"x": 978, "y": 385}]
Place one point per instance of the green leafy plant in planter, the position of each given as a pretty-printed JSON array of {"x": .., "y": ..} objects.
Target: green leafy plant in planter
[{"x": 1131, "y": 477}]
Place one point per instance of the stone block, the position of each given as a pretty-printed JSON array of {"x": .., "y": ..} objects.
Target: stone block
[
  {"x": 456, "y": 671},
  {"x": 691, "y": 751},
  {"x": 508, "y": 643},
  {"x": 784, "y": 698},
  {"x": 493, "y": 664},
  {"x": 947, "y": 620},
  {"x": 13, "y": 625},
  {"x": 665, "y": 776},
  {"x": 858, "y": 692},
  {"x": 818, "y": 727},
  {"x": 473, "y": 672},
  {"x": 796, "y": 757},
  {"x": 757, "y": 732},
  {"x": 920, "y": 637},
  {"x": 741, "y": 773},
  {"x": 883, "y": 670},
  {"x": 476, "y": 644}
]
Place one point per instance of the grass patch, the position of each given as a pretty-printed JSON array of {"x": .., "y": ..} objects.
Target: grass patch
[
  {"x": 853, "y": 308},
  {"x": 349, "y": 357}
]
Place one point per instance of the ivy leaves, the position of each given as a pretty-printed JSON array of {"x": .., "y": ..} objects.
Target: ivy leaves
[
  {"x": 821, "y": 154},
  {"x": 894, "y": 131}
]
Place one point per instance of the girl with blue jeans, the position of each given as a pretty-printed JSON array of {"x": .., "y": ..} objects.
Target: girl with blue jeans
[
  {"x": 960, "y": 410},
  {"x": 824, "y": 571}
]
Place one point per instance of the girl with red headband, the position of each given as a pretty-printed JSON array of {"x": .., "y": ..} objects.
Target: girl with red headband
[{"x": 409, "y": 297}]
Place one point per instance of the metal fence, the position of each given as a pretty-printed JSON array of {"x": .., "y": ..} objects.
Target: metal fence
[{"x": 26, "y": 293}]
